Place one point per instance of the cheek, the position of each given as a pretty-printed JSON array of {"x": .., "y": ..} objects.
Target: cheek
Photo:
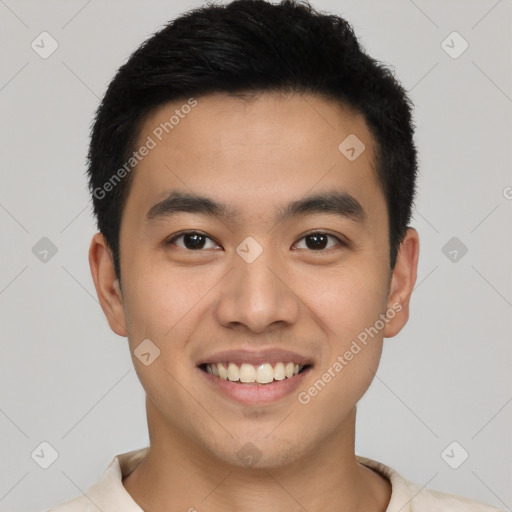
[
  {"x": 352, "y": 307},
  {"x": 165, "y": 306},
  {"x": 160, "y": 298},
  {"x": 348, "y": 301},
  {"x": 161, "y": 305},
  {"x": 349, "y": 304},
  {"x": 354, "y": 340}
]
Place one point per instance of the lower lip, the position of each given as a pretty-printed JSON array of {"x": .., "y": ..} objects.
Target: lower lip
[{"x": 254, "y": 394}]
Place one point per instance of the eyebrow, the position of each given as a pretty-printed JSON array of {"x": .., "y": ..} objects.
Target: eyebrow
[{"x": 341, "y": 204}]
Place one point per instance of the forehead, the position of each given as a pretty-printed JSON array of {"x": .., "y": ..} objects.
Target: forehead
[{"x": 268, "y": 146}]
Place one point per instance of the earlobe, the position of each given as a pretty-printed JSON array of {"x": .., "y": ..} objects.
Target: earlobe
[
  {"x": 107, "y": 286},
  {"x": 402, "y": 283}
]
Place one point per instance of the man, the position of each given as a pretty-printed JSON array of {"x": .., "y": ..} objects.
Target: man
[{"x": 253, "y": 173}]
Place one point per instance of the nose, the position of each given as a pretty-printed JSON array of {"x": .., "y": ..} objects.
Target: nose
[{"x": 257, "y": 295}]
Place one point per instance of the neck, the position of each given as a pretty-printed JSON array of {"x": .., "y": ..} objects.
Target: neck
[{"x": 178, "y": 474}]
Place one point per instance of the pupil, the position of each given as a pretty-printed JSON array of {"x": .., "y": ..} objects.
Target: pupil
[
  {"x": 319, "y": 241},
  {"x": 193, "y": 241}
]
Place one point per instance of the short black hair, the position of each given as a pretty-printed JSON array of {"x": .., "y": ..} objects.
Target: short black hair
[{"x": 247, "y": 47}]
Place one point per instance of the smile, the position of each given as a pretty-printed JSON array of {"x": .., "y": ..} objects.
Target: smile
[{"x": 246, "y": 373}]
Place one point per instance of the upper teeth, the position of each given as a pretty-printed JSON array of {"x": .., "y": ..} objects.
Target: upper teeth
[{"x": 262, "y": 374}]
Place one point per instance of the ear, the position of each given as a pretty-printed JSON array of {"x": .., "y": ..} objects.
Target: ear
[
  {"x": 402, "y": 283},
  {"x": 107, "y": 287}
]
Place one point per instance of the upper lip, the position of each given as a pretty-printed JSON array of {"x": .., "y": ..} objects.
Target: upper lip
[{"x": 256, "y": 357}]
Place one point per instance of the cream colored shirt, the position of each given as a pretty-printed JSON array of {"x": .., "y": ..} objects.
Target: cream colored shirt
[{"x": 109, "y": 494}]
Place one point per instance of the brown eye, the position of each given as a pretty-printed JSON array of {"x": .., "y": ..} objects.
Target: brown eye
[
  {"x": 318, "y": 241},
  {"x": 193, "y": 241}
]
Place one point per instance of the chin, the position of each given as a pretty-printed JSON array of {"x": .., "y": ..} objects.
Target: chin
[{"x": 252, "y": 452}]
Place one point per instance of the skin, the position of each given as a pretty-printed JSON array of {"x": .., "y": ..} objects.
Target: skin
[{"x": 254, "y": 155}]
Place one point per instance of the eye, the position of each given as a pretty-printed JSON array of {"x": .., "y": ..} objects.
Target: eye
[
  {"x": 318, "y": 241},
  {"x": 192, "y": 240}
]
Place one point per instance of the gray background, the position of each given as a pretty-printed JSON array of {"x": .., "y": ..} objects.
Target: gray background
[{"x": 66, "y": 379}]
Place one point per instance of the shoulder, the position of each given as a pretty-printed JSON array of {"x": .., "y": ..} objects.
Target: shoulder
[
  {"x": 409, "y": 496},
  {"x": 108, "y": 493},
  {"x": 426, "y": 500},
  {"x": 79, "y": 504}
]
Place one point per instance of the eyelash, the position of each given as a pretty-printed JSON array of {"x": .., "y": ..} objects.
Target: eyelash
[{"x": 171, "y": 240}]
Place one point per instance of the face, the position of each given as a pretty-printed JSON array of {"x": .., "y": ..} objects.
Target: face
[{"x": 248, "y": 237}]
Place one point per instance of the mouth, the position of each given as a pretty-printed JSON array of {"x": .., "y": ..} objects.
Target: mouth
[
  {"x": 258, "y": 384},
  {"x": 254, "y": 378},
  {"x": 254, "y": 374}
]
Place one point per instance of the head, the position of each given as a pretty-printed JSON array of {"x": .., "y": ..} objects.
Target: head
[{"x": 265, "y": 129}]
